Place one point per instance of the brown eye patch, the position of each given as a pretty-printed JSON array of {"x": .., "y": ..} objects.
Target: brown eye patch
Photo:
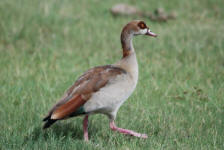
[{"x": 142, "y": 25}]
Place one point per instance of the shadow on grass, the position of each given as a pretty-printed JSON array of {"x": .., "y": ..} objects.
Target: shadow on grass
[
  {"x": 64, "y": 130},
  {"x": 57, "y": 131}
]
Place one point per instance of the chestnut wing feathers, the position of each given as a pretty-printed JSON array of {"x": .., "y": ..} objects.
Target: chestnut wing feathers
[{"x": 82, "y": 90}]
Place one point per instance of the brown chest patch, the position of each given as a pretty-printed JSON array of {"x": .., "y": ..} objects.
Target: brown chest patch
[{"x": 126, "y": 53}]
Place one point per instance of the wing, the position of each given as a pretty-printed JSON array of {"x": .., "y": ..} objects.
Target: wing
[{"x": 82, "y": 90}]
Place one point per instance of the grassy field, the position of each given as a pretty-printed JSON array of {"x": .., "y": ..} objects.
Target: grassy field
[{"x": 178, "y": 102}]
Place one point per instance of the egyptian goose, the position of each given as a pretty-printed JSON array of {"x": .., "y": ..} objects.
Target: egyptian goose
[{"x": 103, "y": 89}]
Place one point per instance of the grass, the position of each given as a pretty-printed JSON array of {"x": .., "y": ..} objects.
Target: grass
[{"x": 178, "y": 102}]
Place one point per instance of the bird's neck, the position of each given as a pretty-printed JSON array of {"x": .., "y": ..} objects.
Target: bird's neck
[
  {"x": 129, "y": 60},
  {"x": 126, "y": 42}
]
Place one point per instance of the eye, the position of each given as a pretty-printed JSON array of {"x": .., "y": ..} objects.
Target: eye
[{"x": 142, "y": 25}]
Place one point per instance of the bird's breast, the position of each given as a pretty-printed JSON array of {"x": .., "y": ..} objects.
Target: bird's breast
[{"x": 112, "y": 96}]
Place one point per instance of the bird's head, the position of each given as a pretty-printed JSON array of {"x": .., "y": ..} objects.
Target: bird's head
[{"x": 138, "y": 27}]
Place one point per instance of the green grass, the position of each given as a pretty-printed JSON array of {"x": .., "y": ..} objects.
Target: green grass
[{"x": 178, "y": 102}]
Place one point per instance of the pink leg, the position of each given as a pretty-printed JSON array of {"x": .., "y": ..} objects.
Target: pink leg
[
  {"x": 85, "y": 128},
  {"x": 126, "y": 131}
]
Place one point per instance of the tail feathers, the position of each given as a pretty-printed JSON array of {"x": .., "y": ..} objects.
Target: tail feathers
[
  {"x": 47, "y": 118},
  {"x": 48, "y": 122}
]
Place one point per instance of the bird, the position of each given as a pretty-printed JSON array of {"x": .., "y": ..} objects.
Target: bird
[{"x": 103, "y": 89}]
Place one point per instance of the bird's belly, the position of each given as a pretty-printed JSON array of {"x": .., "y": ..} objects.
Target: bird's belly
[{"x": 108, "y": 99}]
